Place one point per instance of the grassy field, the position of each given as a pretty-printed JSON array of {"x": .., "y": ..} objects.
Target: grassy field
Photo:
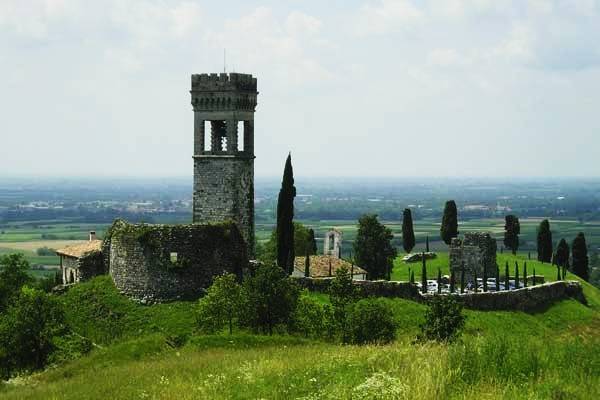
[{"x": 501, "y": 355}]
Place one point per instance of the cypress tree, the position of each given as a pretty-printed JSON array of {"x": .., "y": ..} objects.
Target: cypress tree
[
  {"x": 312, "y": 242},
  {"x": 424, "y": 275},
  {"x": 564, "y": 273},
  {"x": 512, "y": 229},
  {"x": 449, "y": 229},
  {"x": 307, "y": 264},
  {"x": 485, "y": 286},
  {"x": 506, "y": 277},
  {"x": 562, "y": 253},
  {"x": 409, "y": 272},
  {"x": 544, "y": 242},
  {"x": 439, "y": 281},
  {"x": 525, "y": 274},
  {"x": 462, "y": 278},
  {"x": 330, "y": 272},
  {"x": 529, "y": 255},
  {"x": 427, "y": 244},
  {"x": 285, "y": 219},
  {"x": 412, "y": 277},
  {"x": 475, "y": 280},
  {"x": 452, "y": 280},
  {"x": 516, "y": 275},
  {"x": 580, "y": 257},
  {"x": 408, "y": 233},
  {"x": 497, "y": 278},
  {"x": 558, "y": 277},
  {"x": 533, "y": 276}
]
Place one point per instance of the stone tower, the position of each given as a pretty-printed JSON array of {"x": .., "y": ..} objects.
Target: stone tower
[
  {"x": 332, "y": 243},
  {"x": 224, "y": 107}
]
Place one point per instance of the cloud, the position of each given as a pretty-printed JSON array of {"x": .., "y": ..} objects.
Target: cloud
[{"x": 387, "y": 16}]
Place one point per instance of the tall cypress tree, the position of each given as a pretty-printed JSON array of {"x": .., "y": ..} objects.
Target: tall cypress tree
[
  {"x": 544, "y": 242},
  {"x": 427, "y": 244},
  {"x": 497, "y": 278},
  {"x": 525, "y": 274},
  {"x": 449, "y": 229},
  {"x": 408, "y": 233},
  {"x": 475, "y": 280},
  {"x": 439, "y": 281},
  {"x": 562, "y": 253},
  {"x": 512, "y": 229},
  {"x": 516, "y": 275},
  {"x": 506, "y": 277},
  {"x": 285, "y": 219},
  {"x": 312, "y": 242},
  {"x": 485, "y": 277},
  {"x": 307, "y": 264},
  {"x": 424, "y": 275},
  {"x": 533, "y": 276},
  {"x": 452, "y": 280},
  {"x": 462, "y": 278},
  {"x": 580, "y": 257}
]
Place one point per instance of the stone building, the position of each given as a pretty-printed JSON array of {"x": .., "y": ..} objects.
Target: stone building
[
  {"x": 320, "y": 267},
  {"x": 224, "y": 106},
  {"x": 332, "y": 243},
  {"x": 82, "y": 261},
  {"x": 476, "y": 251},
  {"x": 153, "y": 263}
]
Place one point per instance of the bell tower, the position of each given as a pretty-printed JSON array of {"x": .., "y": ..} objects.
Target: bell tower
[{"x": 224, "y": 107}]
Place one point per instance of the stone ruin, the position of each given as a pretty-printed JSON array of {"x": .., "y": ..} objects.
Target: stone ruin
[
  {"x": 475, "y": 252},
  {"x": 332, "y": 244}
]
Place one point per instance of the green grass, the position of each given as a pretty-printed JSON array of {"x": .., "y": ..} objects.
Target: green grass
[{"x": 501, "y": 355}]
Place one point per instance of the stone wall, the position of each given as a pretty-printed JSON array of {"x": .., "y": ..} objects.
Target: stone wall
[
  {"x": 528, "y": 299},
  {"x": 83, "y": 268},
  {"x": 476, "y": 251},
  {"x": 153, "y": 263}
]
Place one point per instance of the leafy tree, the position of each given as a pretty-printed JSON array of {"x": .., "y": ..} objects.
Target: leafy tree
[
  {"x": 544, "y": 242},
  {"x": 267, "y": 252},
  {"x": 28, "y": 331},
  {"x": 13, "y": 276},
  {"x": 562, "y": 253},
  {"x": 443, "y": 319},
  {"x": 270, "y": 297},
  {"x": 408, "y": 233},
  {"x": 372, "y": 321},
  {"x": 449, "y": 229},
  {"x": 221, "y": 305},
  {"x": 285, "y": 217},
  {"x": 512, "y": 230},
  {"x": 342, "y": 294},
  {"x": 373, "y": 247},
  {"x": 308, "y": 318},
  {"x": 580, "y": 257}
]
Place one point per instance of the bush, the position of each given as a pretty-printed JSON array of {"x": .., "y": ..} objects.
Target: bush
[
  {"x": 443, "y": 319},
  {"x": 28, "y": 331},
  {"x": 269, "y": 299},
  {"x": 342, "y": 294},
  {"x": 45, "y": 251},
  {"x": 309, "y": 317},
  {"x": 13, "y": 276},
  {"x": 371, "y": 321},
  {"x": 220, "y": 306}
]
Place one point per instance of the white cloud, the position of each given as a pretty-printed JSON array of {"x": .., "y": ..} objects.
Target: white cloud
[
  {"x": 387, "y": 16},
  {"x": 447, "y": 58}
]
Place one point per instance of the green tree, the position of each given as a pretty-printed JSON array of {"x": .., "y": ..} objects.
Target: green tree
[
  {"x": 580, "y": 257},
  {"x": 267, "y": 252},
  {"x": 452, "y": 280},
  {"x": 462, "y": 278},
  {"x": 485, "y": 277},
  {"x": 307, "y": 265},
  {"x": 516, "y": 275},
  {"x": 408, "y": 233},
  {"x": 28, "y": 331},
  {"x": 285, "y": 218},
  {"x": 269, "y": 298},
  {"x": 443, "y": 319},
  {"x": 342, "y": 294},
  {"x": 13, "y": 276},
  {"x": 373, "y": 248},
  {"x": 525, "y": 274},
  {"x": 497, "y": 278},
  {"x": 449, "y": 229},
  {"x": 220, "y": 306},
  {"x": 544, "y": 242},
  {"x": 562, "y": 253},
  {"x": 423, "y": 274},
  {"x": 372, "y": 321},
  {"x": 308, "y": 317},
  {"x": 506, "y": 277},
  {"x": 439, "y": 281},
  {"x": 312, "y": 242},
  {"x": 427, "y": 244},
  {"x": 512, "y": 230}
]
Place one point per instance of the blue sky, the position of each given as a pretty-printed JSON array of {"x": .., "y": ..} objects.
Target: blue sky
[{"x": 397, "y": 88}]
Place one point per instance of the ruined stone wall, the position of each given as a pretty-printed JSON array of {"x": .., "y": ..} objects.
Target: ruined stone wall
[
  {"x": 91, "y": 265},
  {"x": 477, "y": 250},
  {"x": 153, "y": 263}
]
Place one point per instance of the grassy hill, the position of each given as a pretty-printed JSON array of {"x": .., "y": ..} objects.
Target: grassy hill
[{"x": 548, "y": 355}]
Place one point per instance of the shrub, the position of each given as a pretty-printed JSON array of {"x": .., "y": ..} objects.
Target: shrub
[
  {"x": 220, "y": 306},
  {"x": 269, "y": 299},
  {"x": 28, "y": 330},
  {"x": 13, "y": 276},
  {"x": 308, "y": 318},
  {"x": 443, "y": 319},
  {"x": 371, "y": 321},
  {"x": 342, "y": 294}
]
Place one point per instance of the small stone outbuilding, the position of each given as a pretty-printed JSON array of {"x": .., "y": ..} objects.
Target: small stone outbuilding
[
  {"x": 80, "y": 262},
  {"x": 319, "y": 267}
]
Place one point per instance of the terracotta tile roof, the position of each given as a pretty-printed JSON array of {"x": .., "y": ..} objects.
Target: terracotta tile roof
[
  {"x": 78, "y": 250},
  {"x": 319, "y": 266}
]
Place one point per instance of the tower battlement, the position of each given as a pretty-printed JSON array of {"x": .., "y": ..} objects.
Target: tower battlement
[
  {"x": 223, "y": 92},
  {"x": 223, "y": 82}
]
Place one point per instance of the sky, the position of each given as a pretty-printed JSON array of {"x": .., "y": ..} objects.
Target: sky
[{"x": 364, "y": 88}]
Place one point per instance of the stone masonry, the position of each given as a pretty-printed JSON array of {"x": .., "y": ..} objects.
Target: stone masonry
[
  {"x": 476, "y": 250},
  {"x": 332, "y": 243},
  {"x": 153, "y": 263},
  {"x": 224, "y": 167}
]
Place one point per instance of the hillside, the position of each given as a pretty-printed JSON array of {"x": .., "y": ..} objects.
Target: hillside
[{"x": 500, "y": 355}]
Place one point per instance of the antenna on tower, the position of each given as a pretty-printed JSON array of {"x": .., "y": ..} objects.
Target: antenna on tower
[{"x": 224, "y": 61}]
